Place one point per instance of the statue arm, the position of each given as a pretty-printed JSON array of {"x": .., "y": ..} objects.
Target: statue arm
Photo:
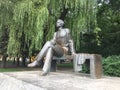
[
  {"x": 53, "y": 41},
  {"x": 71, "y": 43}
]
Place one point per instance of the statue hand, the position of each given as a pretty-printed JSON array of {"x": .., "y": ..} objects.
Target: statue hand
[
  {"x": 73, "y": 54},
  {"x": 53, "y": 42}
]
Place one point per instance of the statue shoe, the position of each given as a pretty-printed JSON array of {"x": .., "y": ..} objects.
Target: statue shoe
[
  {"x": 33, "y": 64},
  {"x": 44, "y": 73}
]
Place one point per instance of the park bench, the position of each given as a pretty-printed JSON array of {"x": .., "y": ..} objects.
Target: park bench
[{"x": 93, "y": 62}]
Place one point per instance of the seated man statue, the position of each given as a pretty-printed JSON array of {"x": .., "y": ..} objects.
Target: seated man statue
[{"x": 58, "y": 46}]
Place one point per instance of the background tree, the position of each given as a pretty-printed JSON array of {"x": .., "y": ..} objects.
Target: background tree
[
  {"x": 5, "y": 21},
  {"x": 34, "y": 21},
  {"x": 108, "y": 18}
]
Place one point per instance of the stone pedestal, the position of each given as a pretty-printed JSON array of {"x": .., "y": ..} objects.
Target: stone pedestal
[
  {"x": 54, "y": 62},
  {"x": 95, "y": 64},
  {"x": 53, "y": 66}
]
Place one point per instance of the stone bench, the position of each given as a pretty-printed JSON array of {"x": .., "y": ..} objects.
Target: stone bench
[
  {"x": 93, "y": 61},
  {"x": 59, "y": 59}
]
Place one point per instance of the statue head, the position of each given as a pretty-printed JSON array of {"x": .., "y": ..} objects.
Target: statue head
[{"x": 59, "y": 23}]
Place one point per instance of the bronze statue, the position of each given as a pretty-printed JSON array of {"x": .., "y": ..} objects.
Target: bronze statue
[{"x": 58, "y": 46}]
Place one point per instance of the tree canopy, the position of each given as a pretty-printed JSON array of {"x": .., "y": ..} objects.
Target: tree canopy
[
  {"x": 108, "y": 18},
  {"x": 31, "y": 22}
]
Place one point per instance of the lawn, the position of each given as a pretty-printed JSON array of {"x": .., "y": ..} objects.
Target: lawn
[
  {"x": 18, "y": 69},
  {"x": 14, "y": 69}
]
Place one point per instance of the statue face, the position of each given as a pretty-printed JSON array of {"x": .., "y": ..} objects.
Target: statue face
[{"x": 59, "y": 23}]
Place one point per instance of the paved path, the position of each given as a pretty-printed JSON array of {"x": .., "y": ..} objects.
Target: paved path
[{"x": 31, "y": 80}]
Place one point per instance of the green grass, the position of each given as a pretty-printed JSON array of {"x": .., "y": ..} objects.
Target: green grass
[
  {"x": 13, "y": 68},
  {"x": 17, "y": 69},
  {"x": 67, "y": 65},
  {"x": 10, "y": 69}
]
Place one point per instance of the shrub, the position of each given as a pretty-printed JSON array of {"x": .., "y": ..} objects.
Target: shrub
[{"x": 111, "y": 66}]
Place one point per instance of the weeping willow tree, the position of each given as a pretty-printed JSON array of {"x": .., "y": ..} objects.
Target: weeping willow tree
[
  {"x": 6, "y": 14},
  {"x": 26, "y": 33},
  {"x": 81, "y": 17},
  {"x": 34, "y": 20}
]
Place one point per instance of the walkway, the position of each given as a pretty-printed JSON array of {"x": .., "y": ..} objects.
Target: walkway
[{"x": 31, "y": 80}]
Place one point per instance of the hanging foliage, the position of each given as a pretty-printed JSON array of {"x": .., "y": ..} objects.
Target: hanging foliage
[
  {"x": 81, "y": 16},
  {"x": 6, "y": 8},
  {"x": 29, "y": 19},
  {"x": 33, "y": 20}
]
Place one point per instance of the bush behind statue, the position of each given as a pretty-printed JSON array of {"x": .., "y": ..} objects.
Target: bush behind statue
[{"x": 111, "y": 65}]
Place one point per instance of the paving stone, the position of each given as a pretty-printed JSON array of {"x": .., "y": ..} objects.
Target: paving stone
[{"x": 31, "y": 80}]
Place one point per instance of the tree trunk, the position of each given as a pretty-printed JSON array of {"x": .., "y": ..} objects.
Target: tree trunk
[
  {"x": 3, "y": 65},
  {"x": 18, "y": 62},
  {"x": 23, "y": 61},
  {"x": 14, "y": 60},
  {"x": 64, "y": 13}
]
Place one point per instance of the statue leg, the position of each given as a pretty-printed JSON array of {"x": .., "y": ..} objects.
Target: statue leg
[
  {"x": 41, "y": 54},
  {"x": 47, "y": 64},
  {"x": 52, "y": 51}
]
